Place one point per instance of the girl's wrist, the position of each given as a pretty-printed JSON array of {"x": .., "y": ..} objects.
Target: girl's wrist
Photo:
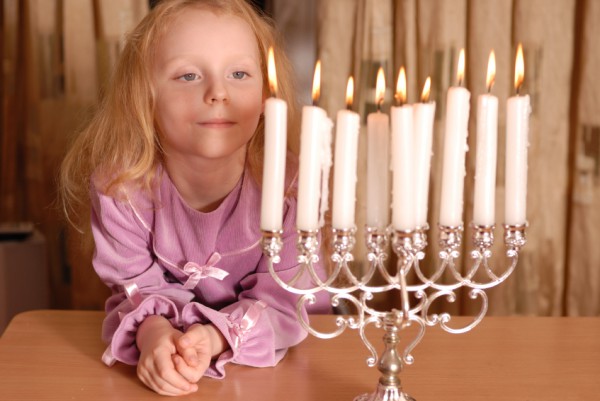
[
  {"x": 151, "y": 328},
  {"x": 218, "y": 343}
]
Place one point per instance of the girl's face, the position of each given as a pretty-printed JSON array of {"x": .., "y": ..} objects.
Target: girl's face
[{"x": 209, "y": 87}]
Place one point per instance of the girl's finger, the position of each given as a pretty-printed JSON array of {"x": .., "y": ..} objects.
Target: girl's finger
[
  {"x": 186, "y": 349},
  {"x": 190, "y": 373},
  {"x": 159, "y": 385},
  {"x": 165, "y": 369}
]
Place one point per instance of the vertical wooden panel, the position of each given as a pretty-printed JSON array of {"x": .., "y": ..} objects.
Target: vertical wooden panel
[
  {"x": 405, "y": 47},
  {"x": 583, "y": 292},
  {"x": 114, "y": 19},
  {"x": 11, "y": 161},
  {"x": 546, "y": 31},
  {"x": 81, "y": 93},
  {"x": 80, "y": 61},
  {"x": 43, "y": 90},
  {"x": 297, "y": 23}
]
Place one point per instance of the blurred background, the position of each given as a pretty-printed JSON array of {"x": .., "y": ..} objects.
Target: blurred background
[{"x": 58, "y": 54}]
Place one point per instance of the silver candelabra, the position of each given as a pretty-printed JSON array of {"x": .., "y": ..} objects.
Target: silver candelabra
[{"x": 409, "y": 247}]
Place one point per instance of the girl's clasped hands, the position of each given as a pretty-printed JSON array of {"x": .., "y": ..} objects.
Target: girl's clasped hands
[{"x": 172, "y": 362}]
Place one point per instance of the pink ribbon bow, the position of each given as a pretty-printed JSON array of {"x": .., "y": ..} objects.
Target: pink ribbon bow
[
  {"x": 197, "y": 273},
  {"x": 133, "y": 295},
  {"x": 249, "y": 320}
]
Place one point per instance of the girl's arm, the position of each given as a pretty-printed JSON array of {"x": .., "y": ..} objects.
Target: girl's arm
[{"x": 124, "y": 262}]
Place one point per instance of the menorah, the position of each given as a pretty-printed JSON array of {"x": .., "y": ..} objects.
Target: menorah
[
  {"x": 411, "y": 134},
  {"x": 409, "y": 247}
]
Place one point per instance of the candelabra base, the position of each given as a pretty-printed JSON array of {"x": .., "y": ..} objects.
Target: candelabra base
[
  {"x": 409, "y": 247},
  {"x": 385, "y": 393}
]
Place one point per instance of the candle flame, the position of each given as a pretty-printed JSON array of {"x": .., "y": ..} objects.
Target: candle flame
[
  {"x": 491, "y": 71},
  {"x": 461, "y": 67},
  {"x": 316, "y": 89},
  {"x": 426, "y": 90},
  {"x": 519, "y": 68},
  {"x": 350, "y": 93},
  {"x": 401, "y": 87},
  {"x": 380, "y": 87},
  {"x": 271, "y": 72}
]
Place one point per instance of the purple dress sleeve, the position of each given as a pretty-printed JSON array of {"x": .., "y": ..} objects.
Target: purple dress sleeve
[{"x": 123, "y": 260}]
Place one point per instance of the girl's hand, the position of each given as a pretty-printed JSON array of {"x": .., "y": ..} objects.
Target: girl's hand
[
  {"x": 156, "y": 340},
  {"x": 195, "y": 349}
]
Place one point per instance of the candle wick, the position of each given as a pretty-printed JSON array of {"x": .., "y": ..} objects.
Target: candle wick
[
  {"x": 518, "y": 90},
  {"x": 379, "y": 104}
]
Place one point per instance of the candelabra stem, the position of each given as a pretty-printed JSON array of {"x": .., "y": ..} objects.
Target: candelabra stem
[{"x": 390, "y": 363}]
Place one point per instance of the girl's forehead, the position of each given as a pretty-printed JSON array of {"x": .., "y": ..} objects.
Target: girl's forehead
[
  {"x": 210, "y": 22},
  {"x": 208, "y": 30}
]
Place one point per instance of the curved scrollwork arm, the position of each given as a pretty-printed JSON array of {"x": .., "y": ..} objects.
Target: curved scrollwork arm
[{"x": 416, "y": 296}]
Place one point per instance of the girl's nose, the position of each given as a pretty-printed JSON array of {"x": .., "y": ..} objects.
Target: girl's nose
[{"x": 216, "y": 92}]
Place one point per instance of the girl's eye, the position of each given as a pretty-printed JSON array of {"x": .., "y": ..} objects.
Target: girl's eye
[
  {"x": 189, "y": 77},
  {"x": 239, "y": 75}
]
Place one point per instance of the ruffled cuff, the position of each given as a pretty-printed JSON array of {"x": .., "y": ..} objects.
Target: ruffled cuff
[
  {"x": 123, "y": 346},
  {"x": 236, "y": 327}
]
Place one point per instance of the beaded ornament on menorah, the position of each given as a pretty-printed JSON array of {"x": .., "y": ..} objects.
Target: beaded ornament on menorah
[{"x": 409, "y": 247}]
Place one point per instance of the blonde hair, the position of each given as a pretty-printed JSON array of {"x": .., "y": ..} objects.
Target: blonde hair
[{"x": 120, "y": 145}]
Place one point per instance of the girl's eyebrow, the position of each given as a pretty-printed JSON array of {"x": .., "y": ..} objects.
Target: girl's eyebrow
[{"x": 172, "y": 63}]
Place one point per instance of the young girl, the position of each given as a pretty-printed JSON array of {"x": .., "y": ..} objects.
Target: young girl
[{"x": 172, "y": 164}]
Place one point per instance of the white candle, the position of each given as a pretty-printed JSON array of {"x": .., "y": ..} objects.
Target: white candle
[
  {"x": 487, "y": 144},
  {"x": 344, "y": 178},
  {"x": 517, "y": 141},
  {"x": 315, "y": 125},
  {"x": 378, "y": 132},
  {"x": 274, "y": 159},
  {"x": 403, "y": 217},
  {"x": 455, "y": 147},
  {"x": 424, "y": 114}
]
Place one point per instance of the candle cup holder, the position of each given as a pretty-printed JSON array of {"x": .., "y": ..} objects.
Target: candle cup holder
[{"x": 409, "y": 247}]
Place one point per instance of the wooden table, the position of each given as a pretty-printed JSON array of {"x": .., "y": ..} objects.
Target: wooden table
[{"x": 55, "y": 355}]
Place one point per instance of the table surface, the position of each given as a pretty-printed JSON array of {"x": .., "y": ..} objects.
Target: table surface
[{"x": 55, "y": 355}]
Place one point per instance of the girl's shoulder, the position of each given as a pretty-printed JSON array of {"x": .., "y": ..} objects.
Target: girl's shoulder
[
  {"x": 141, "y": 197},
  {"x": 116, "y": 183}
]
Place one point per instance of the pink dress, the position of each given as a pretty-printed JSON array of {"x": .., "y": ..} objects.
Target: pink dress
[{"x": 161, "y": 257}]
